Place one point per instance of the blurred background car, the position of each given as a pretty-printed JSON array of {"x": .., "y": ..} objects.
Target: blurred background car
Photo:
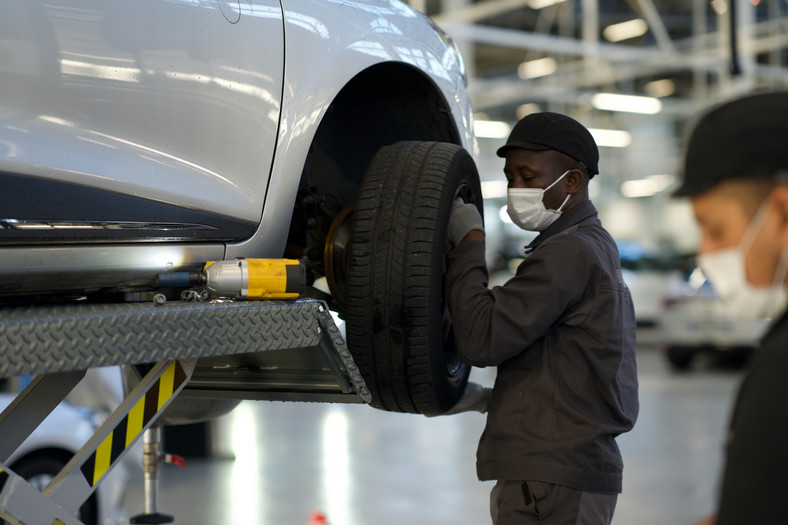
[
  {"x": 47, "y": 450},
  {"x": 650, "y": 274},
  {"x": 696, "y": 322}
]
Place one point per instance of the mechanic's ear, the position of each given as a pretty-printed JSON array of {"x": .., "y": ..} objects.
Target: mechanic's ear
[{"x": 574, "y": 181}]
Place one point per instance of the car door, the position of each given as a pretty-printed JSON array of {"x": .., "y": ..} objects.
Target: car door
[{"x": 140, "y": 111}]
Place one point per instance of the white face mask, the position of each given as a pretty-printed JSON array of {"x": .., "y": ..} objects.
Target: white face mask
[
  {"x": 725, "y": 269},
  {"x": 527, "y": 210}
]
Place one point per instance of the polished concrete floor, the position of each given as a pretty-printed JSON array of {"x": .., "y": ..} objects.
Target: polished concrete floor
[{"x": 361, "y": 466}]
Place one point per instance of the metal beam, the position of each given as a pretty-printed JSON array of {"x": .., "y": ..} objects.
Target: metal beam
[
  {"x": 767, "y": 36},
  {"x": 32, "y": 406},
  {"x": 656, "y": 24},
  {"x": 511, "y": 38},
  {"x": 699, "y": 28},
  {"x": 590, "y": 27},
  {"x": 480, "y": 11},
  {"x": 492, "y": 93},
  {"x": 704, "y": 53}
]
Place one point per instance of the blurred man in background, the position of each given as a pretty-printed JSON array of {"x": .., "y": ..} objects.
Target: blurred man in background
[{"x": 736, "y": 174}]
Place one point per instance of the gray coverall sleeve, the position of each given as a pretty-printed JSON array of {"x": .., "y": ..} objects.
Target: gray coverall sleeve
[{"x": 494, "y": 325}]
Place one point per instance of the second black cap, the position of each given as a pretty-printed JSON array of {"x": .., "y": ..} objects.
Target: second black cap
[
  {"x": 742, "y": 138},
  {"x": 547, "y": 130}
]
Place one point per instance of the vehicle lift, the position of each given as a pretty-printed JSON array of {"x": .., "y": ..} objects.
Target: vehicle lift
[{"x": 289, "y": 350}]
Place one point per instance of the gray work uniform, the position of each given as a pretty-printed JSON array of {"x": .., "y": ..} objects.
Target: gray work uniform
[{"x": 562, "y": 334}]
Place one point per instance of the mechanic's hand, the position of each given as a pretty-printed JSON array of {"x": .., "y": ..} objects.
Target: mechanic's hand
[
  {"x": 464, "y": 218},
  {"x": 476, "y": 398}
]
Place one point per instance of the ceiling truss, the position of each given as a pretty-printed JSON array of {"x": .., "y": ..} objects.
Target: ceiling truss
[{"x": 688, "y": 40}]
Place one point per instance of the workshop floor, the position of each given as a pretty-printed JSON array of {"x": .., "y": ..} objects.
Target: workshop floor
[{"x": 361, "y": 466}]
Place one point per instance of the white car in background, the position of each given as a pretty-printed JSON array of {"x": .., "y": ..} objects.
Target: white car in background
[
  {"x": 695, "y": 322},
  {"x": 51, "y": 446},
  {"x": 650, "y": 280},
  {"x": 152, "y": 136}
]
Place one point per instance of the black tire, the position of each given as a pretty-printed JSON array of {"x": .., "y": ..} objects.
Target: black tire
[
  {"x": 733, "y": 358},
  {"x": 680, "y": 358},
  {"x": 398, "y": 325},
  {"x": 40, "y": 469}
]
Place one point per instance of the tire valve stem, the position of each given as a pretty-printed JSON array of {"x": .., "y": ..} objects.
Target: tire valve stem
[{"x": 244, "y": 278}]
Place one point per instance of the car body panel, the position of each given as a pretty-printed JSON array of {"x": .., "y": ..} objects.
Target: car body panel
[
  {"x": 332, "y": 42},
  {"x": 172, "y": 101},
  {"x": 95, "y": 267},
  {"x": 206, "y": 106}
]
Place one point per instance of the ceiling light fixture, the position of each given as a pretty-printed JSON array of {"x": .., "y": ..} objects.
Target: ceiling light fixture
[
  {"x": 661, "y": 88},
  {"x": 719, "y": 6},
  {"x": 626, "y": 103},
  {"x": 611, "y": 138},
  {"x": 647, "y": 186},
  {"x": 625, "y": 30},
  {"x": 491, "y": 129},
  {"x": 537, "y": 68},
  {"x": 524, "y": 110},
  {"x": 541, "y": 4}
]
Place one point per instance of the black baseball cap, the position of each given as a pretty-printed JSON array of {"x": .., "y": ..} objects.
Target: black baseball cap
[
  {"x": 744, "y": 138},
  {"x": 546, "y": 130}
]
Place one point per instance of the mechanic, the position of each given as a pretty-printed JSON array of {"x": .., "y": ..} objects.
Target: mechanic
[
  {"x": 561, "y": 332},
  {"x": 736, "y": 174}
]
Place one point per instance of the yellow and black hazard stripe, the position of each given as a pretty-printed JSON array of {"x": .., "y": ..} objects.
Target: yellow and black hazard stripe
[{"x": 127, "y": 430}]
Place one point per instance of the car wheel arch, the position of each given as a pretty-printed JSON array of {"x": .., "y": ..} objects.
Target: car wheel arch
[
  {"x": 333, "y": 150},
  {"x": 385, "y": 103}
]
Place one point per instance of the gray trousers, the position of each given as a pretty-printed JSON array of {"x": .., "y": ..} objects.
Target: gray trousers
[{"x": 525, "y": 502}]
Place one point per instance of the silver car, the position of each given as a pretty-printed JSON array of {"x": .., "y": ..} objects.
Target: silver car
[{"x": 152, "y": 136}]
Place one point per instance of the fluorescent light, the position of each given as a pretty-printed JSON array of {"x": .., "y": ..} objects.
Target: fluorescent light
[
  {"x": 647, "y": 186},
  {"x": 625, "y": 30},
  {"x": 719, "y": 6},
  {"x": 537, "y": 68},
  {"x": 524, "y": 110},
  {"x": 660, "y": 88},
  {"x": 491, "y": 129},
  {"x": 494, "y": 189},
  {"x": 541, "y": 4},
  {"x": 610, "y": 138},
  {"x": 627, "y": 103}
]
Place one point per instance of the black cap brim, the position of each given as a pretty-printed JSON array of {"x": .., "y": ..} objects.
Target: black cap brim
[
  {"x": 743, "y": 138},
  {"x": 692, "y": 188},
  {"x": 521, "y": 145}
]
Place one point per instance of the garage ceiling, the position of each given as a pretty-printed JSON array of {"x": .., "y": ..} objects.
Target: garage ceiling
[
  {"x": 560, "y": 55},
  {"x": 687, "y": 44}
]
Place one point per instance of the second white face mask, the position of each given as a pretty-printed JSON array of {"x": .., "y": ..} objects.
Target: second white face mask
[
  {"x": 726, "y": 271},
  {"x": 527, "y": 210}
]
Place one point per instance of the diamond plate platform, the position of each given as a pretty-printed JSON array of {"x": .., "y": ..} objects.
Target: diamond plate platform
[{"x": 49, "y": 339}]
